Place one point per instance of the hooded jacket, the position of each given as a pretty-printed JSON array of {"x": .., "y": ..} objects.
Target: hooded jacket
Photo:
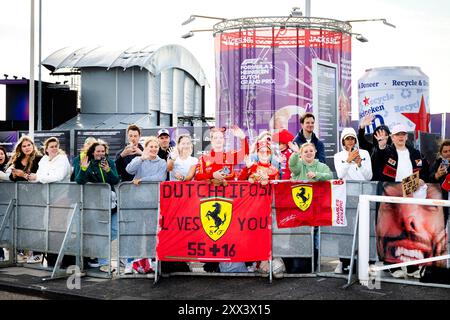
[{"x": 351, "y": 171}]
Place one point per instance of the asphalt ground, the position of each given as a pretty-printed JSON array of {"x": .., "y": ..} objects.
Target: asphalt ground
[{"x": 208, "y": 287}]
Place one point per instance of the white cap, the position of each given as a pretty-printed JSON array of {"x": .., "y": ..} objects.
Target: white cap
[
  {"x": 399, "y": 128},
  {"x": 163, "y": 131}
]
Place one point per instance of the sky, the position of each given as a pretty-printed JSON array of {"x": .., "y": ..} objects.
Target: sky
[{"x": 421, "y": 37}]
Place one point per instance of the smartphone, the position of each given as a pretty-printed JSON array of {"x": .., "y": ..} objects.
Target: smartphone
[
  {"x": 103, "y": 160},
  {"x": 445, "y": 163},
  {"x": 226, "y": 170}
]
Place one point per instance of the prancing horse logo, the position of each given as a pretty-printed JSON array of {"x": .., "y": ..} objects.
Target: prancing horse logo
[
  {"x": 216, "y": 216},
  {"x": 302, "y": 195}
]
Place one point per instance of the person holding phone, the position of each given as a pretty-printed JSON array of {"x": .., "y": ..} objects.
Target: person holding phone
[
  {"x": 217, "y": 166},
  {"x": 440, "y": 172},
  {"x": 352, "y": 163},
  {"x": 132, "y": 150},
  {"x": 97, "y": 167}
]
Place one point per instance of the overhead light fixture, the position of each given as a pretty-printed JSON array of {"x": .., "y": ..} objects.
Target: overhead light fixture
[
  {"x": 189, "y": 20},
  {"x": 367, "y": 20},
  {"x": 5, "y": 75},
  {"x": 191, "y": 33},
  {"x": 296, "y": 12},
  {"x": 193, "y": 16},
  {"x": 360, "y": 37},
  {"x": 188, "y": 35},
  {"x": 388, "y": 24}
]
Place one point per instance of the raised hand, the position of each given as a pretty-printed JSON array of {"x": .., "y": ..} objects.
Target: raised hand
[
  {"x": 237, "y": 132},
  {"x": 145, "y": 155},
  {"x": 248, "y": 161},
  {"x": 85, "y": 162},
  {"x": 173, "y": 153},
  {"x": 128, "y": 150},
  {"x": 135, "y": 150},
  {"x": 381, "y": 137},
  {"x": 442, "y": 170},
  {"x": 294, "y": 146},
  {"x": 367, "y": 120}
]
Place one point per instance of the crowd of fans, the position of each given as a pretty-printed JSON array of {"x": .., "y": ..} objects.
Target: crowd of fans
[{"x": 276, "y": 155}]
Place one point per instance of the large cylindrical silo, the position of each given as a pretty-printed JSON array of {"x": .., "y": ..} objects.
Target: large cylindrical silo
[
  {"x": 264, "y": 69},
  {"x": 198, "y": 101},
  {"x": 167, "y": 91},
  {"x": 189, "y": 96},
  {"x": 154, "y": 92},
  {"x": 178, "y": 92}
]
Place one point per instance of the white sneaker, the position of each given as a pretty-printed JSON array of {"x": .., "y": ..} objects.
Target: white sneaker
[
  {"x": 105, "y": 268},
  {"x": 34, "y": 259},
  {"x": 401, "y": 273},
  {"x": 415, "y": 274},
  {"x": 339, "y": 268}
]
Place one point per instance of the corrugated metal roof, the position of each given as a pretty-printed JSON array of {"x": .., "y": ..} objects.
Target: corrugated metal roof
[
  {"x": 153, "y": 58},
  {"x": 107, "y": 121}
]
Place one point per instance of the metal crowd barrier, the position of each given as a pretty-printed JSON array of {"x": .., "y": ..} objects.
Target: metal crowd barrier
[
  {"x": 58, "y": 218},
  {"x": 138, "y": 223},
  {"x": 138, "y": 208},
  {"x": 7, "y": 205},
  {"x": 72, "y": 219},
  {"x": 338, "y": 242},
  {"x": 293, "y": 243}
]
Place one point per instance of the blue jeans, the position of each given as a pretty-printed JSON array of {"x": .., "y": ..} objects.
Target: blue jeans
[
  {"x": 114, "y": 229},
  {"x": 232, "y": 267}
]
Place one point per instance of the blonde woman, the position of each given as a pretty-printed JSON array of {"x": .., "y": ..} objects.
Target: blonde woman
[
  {"x": 23, "y": 163},
  {"x": 54, "y": 166},
  {"x": 149, "y": 166},
  {"x": 181, "y": 164},
  {"x": 24, "y": 160},
  {"x": 304, "y": 166}
]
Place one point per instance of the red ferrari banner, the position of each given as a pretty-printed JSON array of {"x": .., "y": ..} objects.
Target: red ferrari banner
[
  {"x": 202, "y": 222},
  {"x": 310, "y": 203}
]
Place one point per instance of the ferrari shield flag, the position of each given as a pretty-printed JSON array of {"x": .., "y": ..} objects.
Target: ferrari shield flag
[
  {"x": 310, "y": 203},
  {"x": 202, "y": 222}
]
